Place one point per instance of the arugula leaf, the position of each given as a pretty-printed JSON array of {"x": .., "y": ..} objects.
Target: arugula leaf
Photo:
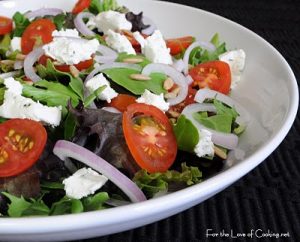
[
  {"x": 183, "y": 130},
  {"x": 223, "y": 109},
  {"x": 121, "y": 76},
  {"x": 156, "y": 182},
  {"x": 2, "y": 91},
  {"x": 21, "y": 22},
  {"x": 4, "y": 44},
  {"x": 97, "y": 6},
  {"x": 88, "y": 100},
  {"x": 59, "y": 21},
  {"x": 66, "y": 206},
  {"x": 95, "y": 202},
  {"x": 69, "y": 126},
  {"x": 199, "y": 55},
  {"x": 50, "y": 73},
  {"x": 123, "y": 56},
  {"x": 52, "y": 185},
  {"x": 20, "y": 207}
]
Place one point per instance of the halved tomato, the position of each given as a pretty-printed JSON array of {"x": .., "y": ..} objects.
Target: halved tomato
[
  {"x": 212, "y": 74},
  {"x": 135, "y": 44},
  {"x": 122, "y": 101},
  {"x": 37, "y": 33},
  {"x": 6, "y": 25},
  {"x": 81, "y": 5},
  {"x": 180, "y": 44},
  {"x": 21, "y": 143},
  {"x": 149, "y": 136},
  {"x": 187, "y": 101},
  {"x": 66, "y": 68}
]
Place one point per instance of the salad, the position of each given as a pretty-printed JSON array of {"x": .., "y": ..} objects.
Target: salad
[{"x": 98, "y": 109}]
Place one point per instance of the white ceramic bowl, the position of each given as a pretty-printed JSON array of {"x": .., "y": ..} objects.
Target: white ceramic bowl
[{"x": 269, "y": 92}]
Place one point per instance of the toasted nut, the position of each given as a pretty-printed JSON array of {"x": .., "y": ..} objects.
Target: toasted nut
[
  {"x": 140, "y": 77},
  {"x": 7, "y": 62},
  {"x": 219, "y": 152},
  {"x": 20, "y": 56},
  {"x": 74, "y": 71},
  {"x": 133, "y": 60},
  {"x": 176, "y": 90},
  {"x": 170, "y": 95},
  {"x": 168, "y": 83},
  {"x": 173, "y": 114}
]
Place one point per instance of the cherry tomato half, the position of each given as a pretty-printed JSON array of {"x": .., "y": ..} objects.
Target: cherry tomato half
[
  {"x": 81, "y": 5},
  {"x": 66, "y": 68},
  {"x": 180, "y": 44},
  {"x": 122, "y": 101},
  {"x": 21, "y": 143},
  {"x": 6, "y": 25},
  {"x": 213, "y": 74},
  {"x": 149, "y": 136},
  {"x": 37, "y": 33}
]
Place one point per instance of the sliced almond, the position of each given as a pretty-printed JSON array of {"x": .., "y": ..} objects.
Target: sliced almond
[
  {"x": 140, "y": 77},
  {"x": 135, "y": 60},
  {"x": 168, "y": 83},
  {"x": 20, "y": 56},
  {"x": 219, "y": 152},
  {"x": 170, "y": 95},
  {"x": 173, "y": 114},
  {"x": 74, "y": 71},
  {"x": 7, "y": 62}
]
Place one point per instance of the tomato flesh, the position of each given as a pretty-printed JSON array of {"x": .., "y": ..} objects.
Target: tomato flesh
[
  {"x": 21, "y": 143},
  {"x": 66, "y": 68},
  {"x": 37, "y": 33},
  {"x": 180, "y": 44},
  {"x": 81, "y": 5},
  {"x": 212, "y": 74},
  {"x": 149, "y": 137},
  {"x": 122, "y": 101},
  {"x": 6, "y": 25}
]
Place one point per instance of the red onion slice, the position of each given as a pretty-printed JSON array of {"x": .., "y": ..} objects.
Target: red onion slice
[
  {"x": 65, "y": 149},
  {"x": 204, "y": 45},
  {"x": 99, "y": 68},
  {"x": 151, "y": 28},
  {"x": 205, "y": 93},
  {"x": 176, "y": 76},
  {"x": 107, "y": 55},
  {"x": 228, "y": 141},
  {"x": 178, "y": 65},
  {"x": 189, "y": 79},
  {"x": 81, "y": 26},
  {"x": 43, "y": 12},
  {"x": 18, "y": 65},
  {"x": 29, "y": 61}
]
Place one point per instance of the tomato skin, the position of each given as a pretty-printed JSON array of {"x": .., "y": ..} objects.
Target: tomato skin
[
  {"x": 81, "y": 5},
  {"x": 38, "y": 30},
  {"x": 122, "y": 101},
  {"x": 213, "y": 74},
  {"x": 66, "y": 68},
  {"x": 188, "y": 100},
  {"x": 21, "y": 143},
  {"x": 135, "y": 44},
  {"x": 153, "y": 146},
  {"x": 6, "y": 25},
  {"x": 179, "y": 44}
]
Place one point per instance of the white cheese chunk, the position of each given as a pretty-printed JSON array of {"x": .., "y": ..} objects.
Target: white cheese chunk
[
  {"x": 112, "y": 20},
  {"x": 72, "y": 50},
  {"x": 97, "y": 81},
  {"x": 154, "y": 48},
  {"x": 205, "y": 146},
  {"x": 17, "y": 106},
  {"x": 83, "y": 182},
  {"x": 236, "y": 61},
  {"x": 119, "y": 42},
  {"x": 155, "y": 100},
  {"x": 15, "y": 44}
]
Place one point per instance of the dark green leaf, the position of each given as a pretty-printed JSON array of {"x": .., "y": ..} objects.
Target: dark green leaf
[
  {"x": 87, "y": 102},
  {"x": 69, "y": 126},
  {"x": 76, "y": 206},
  {"x": 59, "y": 21},
  {"x": 52, "y": 185},
  {"x": 95, "y": 202},
  {"x": 121, "y": 76},
  {"x": 123, "y": 56},
  {"x": 4, "y": 44},
  {"x": 21, "y": 22}
]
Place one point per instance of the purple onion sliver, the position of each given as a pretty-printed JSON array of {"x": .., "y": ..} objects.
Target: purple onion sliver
[
  {"x": 151, "y": 28},
  {"x": 176, "y": 76},
  {"x": 43, "y": 12},
  {"x": 29, "y": 61},
  {"x": 81, "y": 26},
  {"x": 178, "y": 65},
  {"x": 189, "y": 79},
  {"x": 65, "y": 149}
]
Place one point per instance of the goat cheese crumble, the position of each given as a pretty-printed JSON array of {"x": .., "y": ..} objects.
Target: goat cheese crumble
[
  {"x": 97, "y": 81},
  {"x": 17, "y": 106},
  {"x": 119, "y": 42},
  {"x": 83, "y": 182},
  {"x": 236, "y": 61},
  {"x": 112, "y": 20},
  {"x": 68, "y": 50},
  {"x": 205, "y": 146},
  {"x": 155, "y": 100},
  {"x": 15, "y": 44}
]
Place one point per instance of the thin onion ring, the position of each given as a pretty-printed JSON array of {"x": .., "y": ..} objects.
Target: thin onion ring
[
  {"x": 29, "y": 61},
  {"x": 41, "y": 12},
  {"x": 81, "y": 26}
]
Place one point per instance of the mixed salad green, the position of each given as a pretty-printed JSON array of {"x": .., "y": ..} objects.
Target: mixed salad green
[{"x": 98, "y": 109}]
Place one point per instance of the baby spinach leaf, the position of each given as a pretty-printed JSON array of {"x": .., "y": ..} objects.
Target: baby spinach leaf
[
  {"x": 121, "y": 76},
  {"x": 123, "y": 56}
]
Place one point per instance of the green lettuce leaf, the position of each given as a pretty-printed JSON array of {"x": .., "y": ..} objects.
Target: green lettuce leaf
[
  {"x": 121, "y": 76},
  {"x": 21, "y": 22},
  {"x": 97, "y": 6},
  {"x": 183, "y": 130},
  {"x": 123, "y": 56},
  {"x": 157, "y": 182},
  {"x": 4, "y": 44}
]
